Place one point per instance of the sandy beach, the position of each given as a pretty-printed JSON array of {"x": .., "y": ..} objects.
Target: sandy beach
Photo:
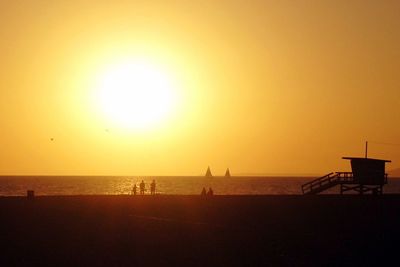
[{"x": 196, "y": 231}]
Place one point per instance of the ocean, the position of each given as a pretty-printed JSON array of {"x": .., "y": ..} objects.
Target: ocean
[{"x": 180, "y": 185}]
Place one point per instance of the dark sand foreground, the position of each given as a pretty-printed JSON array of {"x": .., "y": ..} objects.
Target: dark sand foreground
[{"x": 194, "y": 231}]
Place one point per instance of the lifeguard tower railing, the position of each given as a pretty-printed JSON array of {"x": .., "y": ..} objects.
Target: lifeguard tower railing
[{"x": 330, "y": 180}]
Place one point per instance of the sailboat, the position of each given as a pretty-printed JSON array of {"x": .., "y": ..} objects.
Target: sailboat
[{"x": 208, "y": 173}]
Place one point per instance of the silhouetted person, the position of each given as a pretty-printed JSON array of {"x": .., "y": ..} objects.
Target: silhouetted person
[
  {"x": 142, "y": 187},
  {"x": 210, "y": 192},
  {"x": 204, "y": 192},
  {"x": 134, "y": 189},
  {"x": 153, "y": 187}
]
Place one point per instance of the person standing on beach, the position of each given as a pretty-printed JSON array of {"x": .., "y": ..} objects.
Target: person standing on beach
[
  {"x": 210, "y": 192},
  {"x": 142, "y": 187},
  {"x": 153, "y": 187},
  {"x": 134, "y": 189},
  {"x": 204, "y": 192}
]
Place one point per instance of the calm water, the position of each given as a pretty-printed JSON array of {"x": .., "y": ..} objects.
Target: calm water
[{"x": 116, "y": 185}]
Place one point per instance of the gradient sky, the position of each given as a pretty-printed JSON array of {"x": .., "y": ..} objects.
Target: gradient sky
[{"x": 267, "y": 87}]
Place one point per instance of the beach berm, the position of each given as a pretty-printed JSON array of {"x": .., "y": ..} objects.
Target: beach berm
[{"x": 199, "y": 231}]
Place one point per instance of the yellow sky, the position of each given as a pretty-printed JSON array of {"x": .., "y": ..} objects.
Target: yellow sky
[{"x": 270, "y": 87}]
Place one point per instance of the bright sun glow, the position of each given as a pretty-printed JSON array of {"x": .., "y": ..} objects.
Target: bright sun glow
[{"x": 135, "y": 95}]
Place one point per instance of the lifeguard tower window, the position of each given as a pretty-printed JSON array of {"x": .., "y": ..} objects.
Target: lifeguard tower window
[{"x": 368, "y": 171}]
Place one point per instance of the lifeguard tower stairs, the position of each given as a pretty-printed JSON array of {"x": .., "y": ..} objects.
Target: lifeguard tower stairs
[{"x": 367, "y": 175}]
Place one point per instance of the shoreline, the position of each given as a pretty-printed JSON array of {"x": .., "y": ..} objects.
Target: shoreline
[{"x": 227, "y": 197}]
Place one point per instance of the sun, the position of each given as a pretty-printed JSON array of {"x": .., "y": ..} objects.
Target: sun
[{"x": 135, "y": 95}]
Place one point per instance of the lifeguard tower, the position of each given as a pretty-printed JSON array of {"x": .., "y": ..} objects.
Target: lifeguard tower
[{"x": 367, "y": 175}]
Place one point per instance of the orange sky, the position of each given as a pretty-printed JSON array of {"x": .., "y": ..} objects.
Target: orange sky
[{"x": 272, "y": 87}]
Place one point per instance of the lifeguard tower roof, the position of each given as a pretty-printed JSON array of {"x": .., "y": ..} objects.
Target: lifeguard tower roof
[{"x": 366, "y": 159}]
